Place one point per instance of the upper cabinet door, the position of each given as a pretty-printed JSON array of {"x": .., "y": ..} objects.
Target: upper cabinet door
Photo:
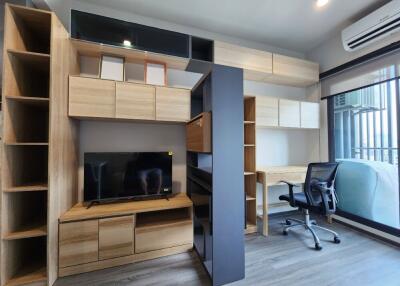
[
  {"x": 267, "y": 111},
  {"x": 295, "y": 71},
  {"x": 309, "y": 115},
  {"x": 89, "y": 97},
  {"x": 289, "y": 113},
  {"x": 172, "y": 104},
  {"x": 256, "y": 64},
  {"x": 135, "y": 101}
]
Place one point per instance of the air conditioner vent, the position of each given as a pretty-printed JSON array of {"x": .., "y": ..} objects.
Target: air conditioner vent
[{"x": 377, "y": 25}]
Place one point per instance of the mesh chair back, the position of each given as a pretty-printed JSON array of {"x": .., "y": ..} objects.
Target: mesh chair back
[{"x": 319, "y": 173}]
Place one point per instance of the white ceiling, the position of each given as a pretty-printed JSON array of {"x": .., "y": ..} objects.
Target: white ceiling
[{"x": 292, "y": 24}]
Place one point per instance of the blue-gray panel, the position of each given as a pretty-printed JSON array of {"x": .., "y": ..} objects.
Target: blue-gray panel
[{"x": 227, "y": 174}]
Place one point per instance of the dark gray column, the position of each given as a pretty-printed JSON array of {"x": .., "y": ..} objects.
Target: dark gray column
[{"x": 227, "y": 174}]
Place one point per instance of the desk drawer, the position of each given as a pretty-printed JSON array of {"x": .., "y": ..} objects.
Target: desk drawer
[
  {"x": 163, "y": 236},
  {"x": 273, "y": 179}
]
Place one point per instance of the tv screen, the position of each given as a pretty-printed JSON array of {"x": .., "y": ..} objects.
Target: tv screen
[{"x": 110, "y": 176}]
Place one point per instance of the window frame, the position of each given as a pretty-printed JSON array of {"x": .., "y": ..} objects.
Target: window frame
[{"x": 331, "y": 152}]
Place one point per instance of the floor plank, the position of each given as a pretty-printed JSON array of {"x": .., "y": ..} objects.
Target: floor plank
[{"x": 272, "y": 261}]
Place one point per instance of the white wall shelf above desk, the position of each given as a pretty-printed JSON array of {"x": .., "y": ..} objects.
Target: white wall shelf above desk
[{"x": 277, "y": 113}]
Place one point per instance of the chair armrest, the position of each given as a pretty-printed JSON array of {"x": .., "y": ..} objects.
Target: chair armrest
[
  {"x": 327, "y": 195},
  {"x": 291, "y": 196},
  {"x": 289, "y": 183}
]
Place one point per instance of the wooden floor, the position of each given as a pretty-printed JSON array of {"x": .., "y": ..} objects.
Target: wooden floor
[{"x": 276, "y": 260}]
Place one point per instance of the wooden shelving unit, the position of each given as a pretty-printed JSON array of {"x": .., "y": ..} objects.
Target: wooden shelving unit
[
  {"x": 250, "y": 164},
  {"x": 38, "y": 145}
]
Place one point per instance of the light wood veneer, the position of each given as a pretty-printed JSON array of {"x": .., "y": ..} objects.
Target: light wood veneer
[
  {"x": 116, "y": 237},
  {"x": 91, "y": 97},
  {"x": 79, "y": 243},
  {"x": 172, "y": 104},
  {"x": 135, "y": 101}
]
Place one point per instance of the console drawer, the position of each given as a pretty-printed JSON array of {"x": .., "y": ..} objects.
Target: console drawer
[{"x": 159, "y": 234}]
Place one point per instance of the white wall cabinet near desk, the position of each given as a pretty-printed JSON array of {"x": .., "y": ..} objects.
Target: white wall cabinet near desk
[
  {"x": 267, "y": 111},
  {"x": 289, "y": 113},
  {"x": 309, "y": 115}
]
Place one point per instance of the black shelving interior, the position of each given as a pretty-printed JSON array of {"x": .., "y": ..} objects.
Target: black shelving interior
[{"x": 202, "y": 49}]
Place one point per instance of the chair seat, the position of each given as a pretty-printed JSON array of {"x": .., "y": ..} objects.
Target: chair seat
[{"x": 300, "y": 201}]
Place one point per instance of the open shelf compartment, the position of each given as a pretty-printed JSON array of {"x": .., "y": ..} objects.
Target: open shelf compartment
[
  {"x": 28, "y": 74},
  {"x": 30, "y": 28},
  {"x": 26, "y": 122},
  {"x": 26, "y": 215},
  {"x": 26, "y": 263},
  {"x": 162, "y": 217},
  {"x": 25, "y": 166},
  {"x": 249, "y": 109}
]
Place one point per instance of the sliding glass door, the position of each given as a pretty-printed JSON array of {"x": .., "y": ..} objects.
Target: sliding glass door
[{"x": 365, "y": 140}]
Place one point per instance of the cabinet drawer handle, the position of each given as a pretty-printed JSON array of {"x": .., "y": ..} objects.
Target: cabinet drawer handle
[{"x": 199, "y": 122}]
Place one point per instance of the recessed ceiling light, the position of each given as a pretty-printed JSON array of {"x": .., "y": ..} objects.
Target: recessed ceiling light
[{"x": 321, "y": 3}]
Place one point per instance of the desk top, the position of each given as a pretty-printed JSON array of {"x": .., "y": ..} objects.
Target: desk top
[
  {"x": 282, "y": 169},
  {"x": 80, "y": 212}
]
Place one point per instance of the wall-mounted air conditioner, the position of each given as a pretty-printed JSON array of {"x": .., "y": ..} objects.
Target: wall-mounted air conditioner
[{"x": 377, "y": 25}]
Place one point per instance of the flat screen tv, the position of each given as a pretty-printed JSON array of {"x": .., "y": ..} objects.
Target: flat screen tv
[{"x": 116, "y": 176}]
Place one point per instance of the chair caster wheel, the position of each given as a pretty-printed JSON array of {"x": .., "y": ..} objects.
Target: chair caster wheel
[
  {"x": 336, "y": 240},
  {"x": 288, "y": 222},
  {"x": 285, "y": 232},
  {"x": 318, "y": 246}
]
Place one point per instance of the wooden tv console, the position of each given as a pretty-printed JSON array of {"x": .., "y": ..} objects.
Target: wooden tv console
[{"x": 115, "y": 234}]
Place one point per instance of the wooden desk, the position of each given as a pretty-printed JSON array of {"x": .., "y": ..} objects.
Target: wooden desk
[{"x": 270, "y": 176}]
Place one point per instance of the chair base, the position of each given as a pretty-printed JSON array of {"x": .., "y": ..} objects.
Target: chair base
[{"x": 310, "y": 225}]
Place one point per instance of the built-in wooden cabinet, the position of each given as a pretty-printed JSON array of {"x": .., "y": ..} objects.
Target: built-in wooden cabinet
[
  {"x": 135, "y": 101},
  {"x": 38, "y": 144},
  {"x": 289, "y": 113},
  {"x": 161, "y": 230},
  {"x": 198, "y": 133},
  {"x": 255, "y": 63},
  {"x": 116, "y": 237},
  {"x": 172, "y": 104},
  {"x": 89, "y": 97},
  {"x": 267, "y": 111},
  {"x": 78, "y": 243},
  {"x": 293, "y": 71},
  {"x": 110, "y": 235},
  {"x": 99, "y": 98},
  {"x": 309, "y": 115},
  {"x": 264, "y": 66}
]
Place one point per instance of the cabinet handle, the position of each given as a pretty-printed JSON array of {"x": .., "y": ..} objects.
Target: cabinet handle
[{"x": 199, "y": 122}]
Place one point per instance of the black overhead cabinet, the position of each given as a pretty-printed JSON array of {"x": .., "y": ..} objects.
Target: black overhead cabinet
[{"x": 114, "y": 32}]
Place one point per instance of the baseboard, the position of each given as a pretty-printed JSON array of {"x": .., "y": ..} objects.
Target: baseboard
[
  {"x": 102, "y": 264},
  {"x": 368, "y": 230}
]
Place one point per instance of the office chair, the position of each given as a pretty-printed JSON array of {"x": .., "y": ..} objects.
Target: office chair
[{"x": 319, "y": 197}]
